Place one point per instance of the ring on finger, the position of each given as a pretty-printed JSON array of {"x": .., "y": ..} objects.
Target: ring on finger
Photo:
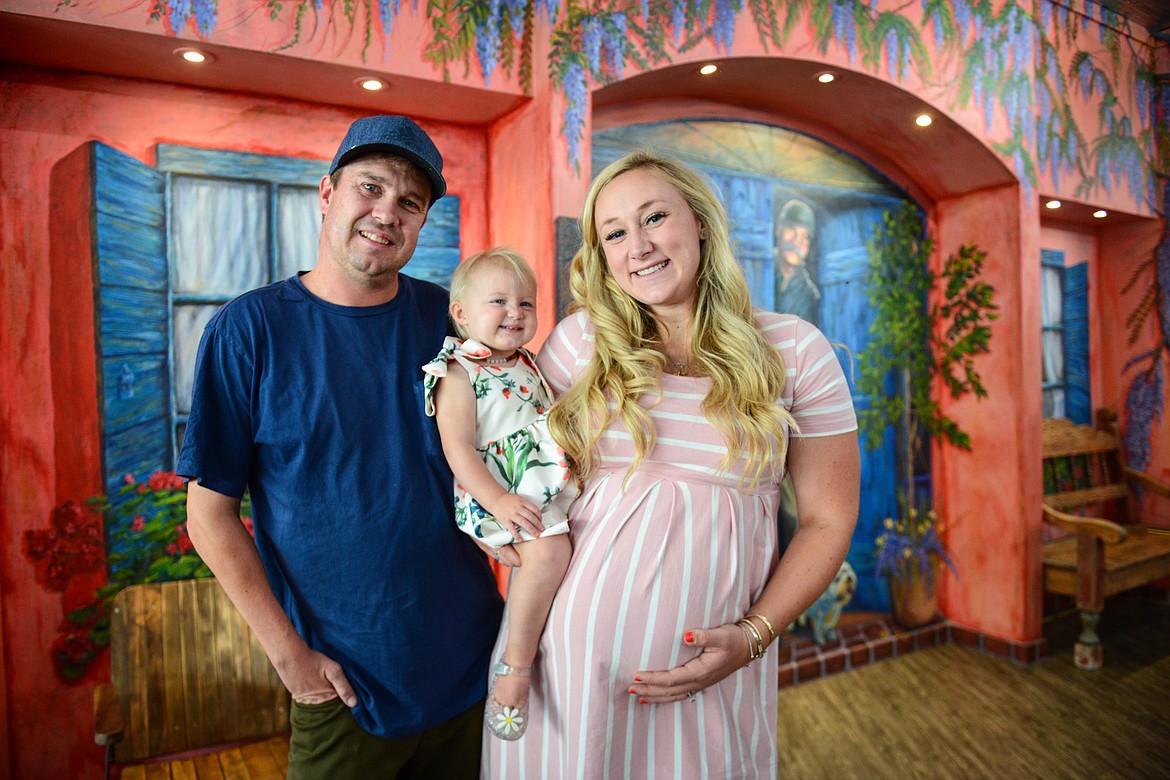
[{"x": 691, "y": 695}]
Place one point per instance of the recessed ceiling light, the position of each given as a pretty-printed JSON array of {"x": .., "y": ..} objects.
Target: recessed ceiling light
[
  {"x": 708, "y": 69},
  {"x": 923, "y": 120},
  {"x": 194, "y": 55},
  {"x": 370, "y": 83},
  {"x": 826, "y": 76},
  {"x": 1052, "y": 204},
  {"x": 1100, "y": 213}
]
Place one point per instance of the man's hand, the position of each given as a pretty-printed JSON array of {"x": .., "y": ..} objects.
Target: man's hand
[
  {"x": 505, "y": 555},
  {"x": 314, "y": 678}
]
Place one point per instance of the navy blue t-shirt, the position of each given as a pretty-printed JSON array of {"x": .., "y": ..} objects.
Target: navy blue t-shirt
[{"x": 317, "y": 409}]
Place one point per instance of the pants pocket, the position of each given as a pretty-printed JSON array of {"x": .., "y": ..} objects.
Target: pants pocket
[{"x": 317, "y": 730}]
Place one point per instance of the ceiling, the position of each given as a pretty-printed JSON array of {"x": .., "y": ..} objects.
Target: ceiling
[
  {"x": 56, "y": 43},
  {"x": 1154, "y": 15},
  {"x": 864, "y": 116},
  {"x": 65, "y": 45}
]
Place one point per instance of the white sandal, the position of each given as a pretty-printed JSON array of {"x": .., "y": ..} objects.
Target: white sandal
[{"x": 506, "y": 723}]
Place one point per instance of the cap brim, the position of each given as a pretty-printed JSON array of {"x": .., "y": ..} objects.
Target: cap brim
[{"x": 434, "y": 178}]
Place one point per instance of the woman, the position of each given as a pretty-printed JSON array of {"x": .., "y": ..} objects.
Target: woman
[{"x": 675, "y": 401}]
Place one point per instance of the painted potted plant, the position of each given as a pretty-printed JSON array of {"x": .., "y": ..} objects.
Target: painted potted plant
[
  {"x": 146, "y": 538},
  {"x": 920, "y": 347},
  {"x": 909, "y": 555}
]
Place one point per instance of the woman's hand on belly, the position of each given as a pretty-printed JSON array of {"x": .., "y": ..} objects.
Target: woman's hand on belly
[{"x": 723, "y": 650}]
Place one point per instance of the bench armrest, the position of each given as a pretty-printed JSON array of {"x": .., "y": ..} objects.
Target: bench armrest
[
  {"x": 107, "y": 715},
  {"x": 1146, "y": 481},
  {"x": 1105, "y": 530}
]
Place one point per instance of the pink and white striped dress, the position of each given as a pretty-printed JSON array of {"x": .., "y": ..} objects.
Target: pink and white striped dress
[{"x": 679, "y": 546}]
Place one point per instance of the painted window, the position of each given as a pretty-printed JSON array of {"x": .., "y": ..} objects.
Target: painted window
[
  {"x": 173, "y": 242},
  {"x": 236, "y": 222},
  {"x": 1064, "y": 326}
]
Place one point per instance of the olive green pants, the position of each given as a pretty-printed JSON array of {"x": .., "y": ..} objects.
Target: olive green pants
[{"x": 328, "y": 744}]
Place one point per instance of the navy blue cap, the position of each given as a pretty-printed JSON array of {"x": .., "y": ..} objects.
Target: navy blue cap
[{"x": 395, "y": 135}]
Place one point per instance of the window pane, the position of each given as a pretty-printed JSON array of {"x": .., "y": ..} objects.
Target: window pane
[
  {"x": 1054, "y": 403},
  {"x": 1052, "y": 344},
  {"x": 298, "y": 229},
  {"x": 1051, "y": 296},
  {"x": 220, "y": 229},
  {"x": 189, "y": 323}
]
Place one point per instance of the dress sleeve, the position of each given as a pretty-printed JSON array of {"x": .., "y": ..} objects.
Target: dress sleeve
[
  {"x": 565, "y": 352},
  {"x": 815, "y": 391},
  {"x": 435, "y": 370}
]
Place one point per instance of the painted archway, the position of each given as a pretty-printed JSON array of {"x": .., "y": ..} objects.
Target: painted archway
[
  {"x": 957, "y": 179},
  {"x": 770, "y": 177}
]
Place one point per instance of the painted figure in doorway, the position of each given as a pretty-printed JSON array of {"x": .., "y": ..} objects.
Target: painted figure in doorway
[{"x": 796, "y": 292}]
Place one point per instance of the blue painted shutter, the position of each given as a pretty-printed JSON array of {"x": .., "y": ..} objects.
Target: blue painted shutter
[
  {"x": 130, "y": 267},
  {"x": 1075, "y": 314},
  {"x": 437, "y": 253}
]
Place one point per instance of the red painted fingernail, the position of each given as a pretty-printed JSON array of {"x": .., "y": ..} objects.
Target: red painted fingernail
[
  {"x": 641, "y": 701},
  {"x": 633, "y": 692},
  {"x": 637, "y": 678},
  {"x": 689, "y": 637}
]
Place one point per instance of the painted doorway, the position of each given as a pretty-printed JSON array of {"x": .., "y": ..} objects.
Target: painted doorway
[{"x": 769, "y": 178}]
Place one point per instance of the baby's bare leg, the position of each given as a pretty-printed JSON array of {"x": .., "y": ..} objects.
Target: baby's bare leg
[{"x": 543, "y": 564}]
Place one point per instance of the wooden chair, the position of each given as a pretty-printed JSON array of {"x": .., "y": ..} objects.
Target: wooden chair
[
  {"x": 1084, "y": 472},
  {"x": 190, "y": 684}
]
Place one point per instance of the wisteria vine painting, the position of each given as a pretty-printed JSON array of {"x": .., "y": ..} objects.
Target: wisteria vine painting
[
  {"x": 1023, "y": 64},
  {"x": 1011, "y": 56},
  {"x": 1145, "y": 401}
]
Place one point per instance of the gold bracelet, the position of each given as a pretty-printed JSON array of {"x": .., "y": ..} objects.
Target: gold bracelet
[
  {"x": 759, "y": 638},
  {"x": 750, "y": 631},
  {"x": 748, "y": 638},
  {"x": 767, "y": 623}
]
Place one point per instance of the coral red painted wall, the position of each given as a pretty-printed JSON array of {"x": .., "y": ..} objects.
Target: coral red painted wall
[
  {"x": 50, "y": 427},
  {"x": 984, "y": 495},
  {"x": 1125, "y": 254},
  {"x": 511, "y": 171}
]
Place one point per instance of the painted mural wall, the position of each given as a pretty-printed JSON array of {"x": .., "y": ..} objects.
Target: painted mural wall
[
  {"x": 52, "y": 449},
  {"x": 801, "y": 214},
  {"x": 1064, "y": 93}
]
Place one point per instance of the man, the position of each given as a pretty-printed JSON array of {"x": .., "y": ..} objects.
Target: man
[
  {"x": 796, "y": 292},
  {"x": 378, "y": 614}
]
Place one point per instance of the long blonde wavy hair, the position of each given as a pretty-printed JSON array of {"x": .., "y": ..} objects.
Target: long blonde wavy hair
[{"x": 747, "y": 373}]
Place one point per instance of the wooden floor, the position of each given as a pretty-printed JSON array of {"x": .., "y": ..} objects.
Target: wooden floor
[{"x": 951, "y": 712}]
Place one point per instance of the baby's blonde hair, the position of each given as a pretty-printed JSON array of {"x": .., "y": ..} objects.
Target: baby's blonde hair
[
  {"x": 497, "y": 257},
  {"x": 747, "y": 373}
]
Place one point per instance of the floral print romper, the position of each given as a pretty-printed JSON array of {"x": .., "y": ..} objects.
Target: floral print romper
[{"x": 512, "y": 439}]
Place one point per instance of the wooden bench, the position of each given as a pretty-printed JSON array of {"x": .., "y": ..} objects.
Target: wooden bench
[
  {"x": 190, "y": 684},
  {"x": 1084, "y": 472}
]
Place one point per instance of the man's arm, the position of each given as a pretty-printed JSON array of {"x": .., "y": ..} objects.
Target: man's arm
[{"x": 213, "y": 522}]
